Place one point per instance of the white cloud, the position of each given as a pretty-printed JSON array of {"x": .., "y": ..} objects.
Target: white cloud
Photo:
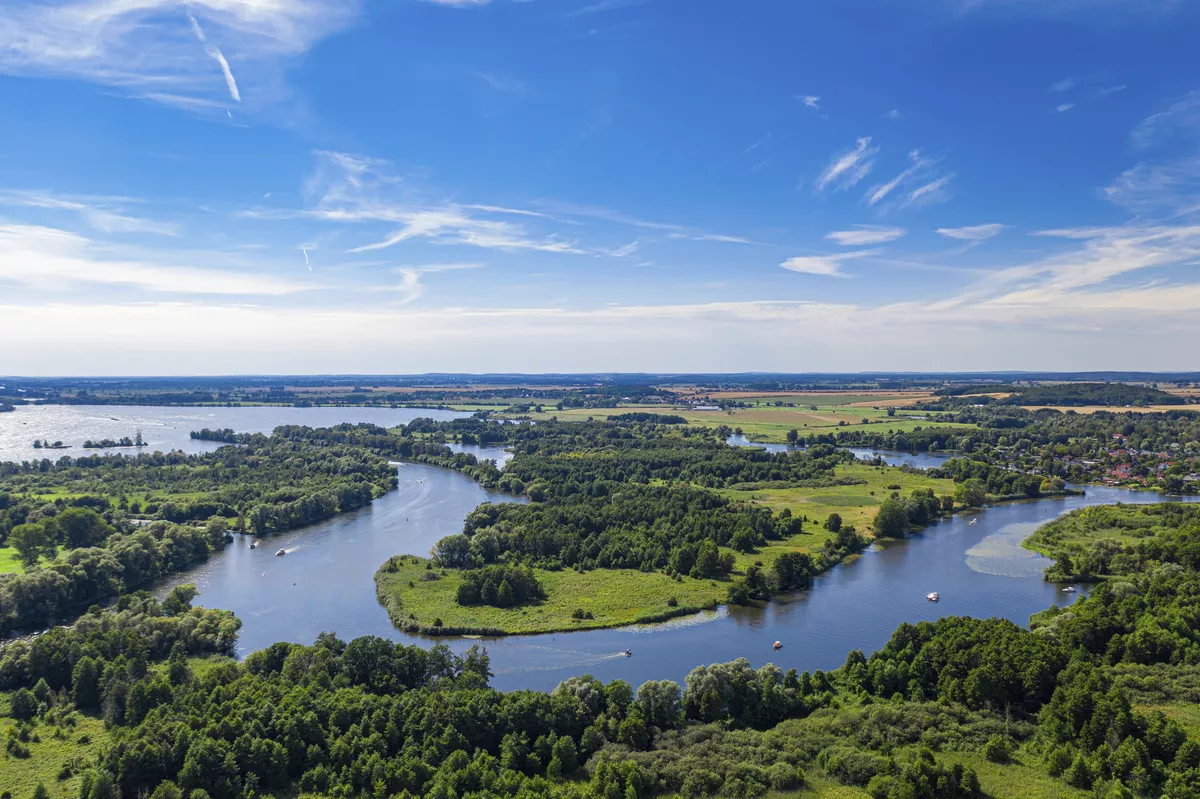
[
  {"x": 879, "y": 192},
  {"x": 451, "y": 225},
  {"x": 850, "y": 167},
  {"x": 893, "y": 114},
  {"x": 103, "y": 214},
  {"x": 412, "y": 288},
  {"x": 215, "y": 53},
  {"x": 1181, "y": 117},
  {"x": 931, "y": 192},
  {"x": 143, "y": 46},
  {"x": 972, "y": 232},
  {"x": 1064, "y": 85},
  {"x": 459, "y": 3},
  {"x": 827, "y": 265},
  {"x": 810, "y": 100},
  {"x": 52, "y": 259},
  {"x": 711, "y": 237},
  {"x": 1082, "y": 309},
  {"x": 866, "y": 235},
  {"x": 1064, "y": 107}
]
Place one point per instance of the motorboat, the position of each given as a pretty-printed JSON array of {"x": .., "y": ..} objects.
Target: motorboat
[
  {"x": 971, "y": 522},
  {"x": 281, "y": 553},
  {"x": 933, "y": 597},
  {"x": 777, "y": 645},
  {"x": 628, "y": 653},
  {"x": 1070, "y": 589}
]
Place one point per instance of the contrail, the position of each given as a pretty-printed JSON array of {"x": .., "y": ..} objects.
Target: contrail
[
  {"x": 215, "y": 54},
  {"x": 306, "y": 263}
]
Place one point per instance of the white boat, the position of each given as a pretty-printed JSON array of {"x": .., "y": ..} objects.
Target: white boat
[
  {"x": 971, "y": 522},
  {"x": 280, "y": 553},
  {"x": 1070, "y": 589},
  {"x": 933, "y": 597}
]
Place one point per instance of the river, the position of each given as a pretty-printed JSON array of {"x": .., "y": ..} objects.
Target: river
[{"x": 325, "y": 582}]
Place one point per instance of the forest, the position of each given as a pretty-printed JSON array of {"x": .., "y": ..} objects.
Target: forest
[
  {"x": 946, "y": 709},
  {"x": 91, "y": 528}
]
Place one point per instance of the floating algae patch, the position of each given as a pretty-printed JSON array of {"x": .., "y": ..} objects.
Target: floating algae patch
[{"x": 1001, "y": 553}]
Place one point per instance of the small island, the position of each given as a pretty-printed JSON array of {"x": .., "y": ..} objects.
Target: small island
[
  {"x": 44, "y": 444},
  {"x": 125, "y": 442}
]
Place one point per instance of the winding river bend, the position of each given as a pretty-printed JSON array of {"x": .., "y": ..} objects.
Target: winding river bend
[{"x": 325, "y": 582}]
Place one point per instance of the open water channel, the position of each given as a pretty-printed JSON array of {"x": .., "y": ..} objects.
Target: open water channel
[{"x": 325, "y": 582}]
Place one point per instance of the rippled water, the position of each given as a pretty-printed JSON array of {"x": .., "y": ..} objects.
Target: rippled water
[{"x": 168, "y": 429}]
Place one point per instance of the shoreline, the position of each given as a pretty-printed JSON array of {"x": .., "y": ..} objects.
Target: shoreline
[{"x": 392, "y": 574}]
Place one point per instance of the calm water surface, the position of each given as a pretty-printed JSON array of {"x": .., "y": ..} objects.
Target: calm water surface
[
  {"x": 168, "y": 429},
  {"x": 325, "y": 582},
  {"x": 921, "y": 460}
]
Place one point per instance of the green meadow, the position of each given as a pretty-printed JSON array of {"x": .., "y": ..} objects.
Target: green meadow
[{"x": 415, "y": 595}]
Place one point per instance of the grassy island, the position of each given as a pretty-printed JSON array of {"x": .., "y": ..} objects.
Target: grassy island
[{"x": 635, "y": 521}]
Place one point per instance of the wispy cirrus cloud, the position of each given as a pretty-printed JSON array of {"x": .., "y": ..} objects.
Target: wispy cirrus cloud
[
  {"x": 1064, "y": 85},
  {"x": 215, "y": 53},
  {"x": 851, "y": 166},
  {"x": 53, "y": 259},
  {"x": 1167, "y": 179},
  {"x": 972, "y": 232},
  {"x": 147, "y": 48},
  {"x": 103, "y": 214},
  {"x": 1063, "y": 107},
  {"x": 935, "y": 191},
  {"x": 412, "y": 288},
  {"x": 810, "y": 100},
  {"x": 919, "y": 183},
  {"x": 866, "y": 235},
  {"x": 826, "y": 265}
]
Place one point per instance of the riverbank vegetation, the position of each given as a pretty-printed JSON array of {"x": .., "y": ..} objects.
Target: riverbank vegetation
[
  {"x": 83, "y": 530},
  {"x": 656, "y": 518},
  {"x": 1111, "y": 542},
  {"x": 955, "y": 708},
  {"x": 1153, "y": 451}
]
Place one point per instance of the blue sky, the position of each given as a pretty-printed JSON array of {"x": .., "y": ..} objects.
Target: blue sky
[{"x": 304, "y": 186}]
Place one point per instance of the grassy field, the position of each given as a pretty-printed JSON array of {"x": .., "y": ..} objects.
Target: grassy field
[
  {"x": 50, "y": 755},
  {"x": 1014, "y": 780},
  {"x": 10, "y": 563},
  {"x": 620, "y": 597},
  {"x": 766, "y": 423},
  {"x": 856, "y": 504},
  {"x": 613, "y": 597}
]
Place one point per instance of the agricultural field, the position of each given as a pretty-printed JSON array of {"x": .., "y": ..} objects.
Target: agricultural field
[{"x": 765, "y": 423}]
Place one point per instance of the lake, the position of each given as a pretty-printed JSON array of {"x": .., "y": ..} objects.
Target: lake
[
  {"x": 325, "y": 582},
  {"x": 168, "y": 428}
]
